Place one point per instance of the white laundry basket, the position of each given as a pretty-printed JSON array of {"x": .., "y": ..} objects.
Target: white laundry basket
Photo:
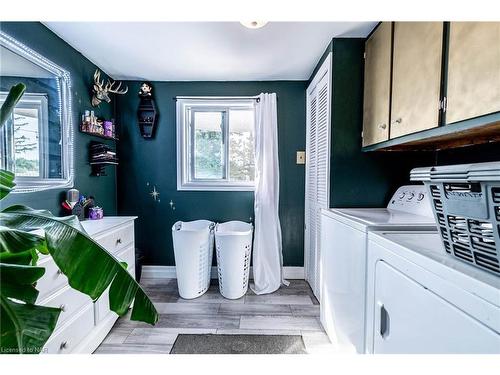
[
  {"x": 193, "y": 251},
  {"x": 233, "y": 242}
]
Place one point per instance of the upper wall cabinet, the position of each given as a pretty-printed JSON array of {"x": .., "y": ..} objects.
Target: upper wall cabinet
[
  {"x": 473, "y": 70},
  {"x": 416, "y": 77},
  {"x": 444, "y": 85},
  {"x": 377, "y": 85}
]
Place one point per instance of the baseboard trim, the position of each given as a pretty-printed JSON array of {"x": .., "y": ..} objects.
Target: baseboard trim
[{"x": 168, "y": 272}]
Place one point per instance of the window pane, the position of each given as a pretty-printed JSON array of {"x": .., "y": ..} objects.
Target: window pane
[
  {"x": 208, "y": 145},
  {"x": 241, "y": 145},
  {"x": 26, "y": 142}
]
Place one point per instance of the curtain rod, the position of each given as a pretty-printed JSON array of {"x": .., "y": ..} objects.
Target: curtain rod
[{"x": 256, "y": 97}]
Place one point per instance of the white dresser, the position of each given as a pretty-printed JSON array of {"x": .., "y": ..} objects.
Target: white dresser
[{"x": 83, "y": 324}]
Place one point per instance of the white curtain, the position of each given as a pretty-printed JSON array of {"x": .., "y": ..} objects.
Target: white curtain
[{"x": 267, "y": 247}]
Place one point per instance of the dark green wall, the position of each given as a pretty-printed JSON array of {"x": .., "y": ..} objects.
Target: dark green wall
[
  {"x": 359, "y": 179},
  {"x": 42, "y": 40},
  {"x": 154, "y": 161}
]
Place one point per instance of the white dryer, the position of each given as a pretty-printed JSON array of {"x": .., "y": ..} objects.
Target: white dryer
[
  {"x": 344, "y": 240},
  {"x": 421, "y": 300}
]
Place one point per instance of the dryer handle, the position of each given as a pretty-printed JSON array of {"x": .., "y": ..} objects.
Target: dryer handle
[{"x": 384, "y": 321}]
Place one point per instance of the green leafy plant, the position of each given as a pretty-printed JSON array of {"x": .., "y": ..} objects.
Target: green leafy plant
[{"x": 26, "y": 233}]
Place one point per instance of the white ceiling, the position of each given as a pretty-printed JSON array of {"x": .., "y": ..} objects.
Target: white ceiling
[{"x": 205, "y": 51}]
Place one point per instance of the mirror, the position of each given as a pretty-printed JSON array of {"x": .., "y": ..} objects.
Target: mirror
[{"x": 36, "y": 143}]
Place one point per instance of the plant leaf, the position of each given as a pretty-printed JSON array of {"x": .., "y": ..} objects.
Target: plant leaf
[
  {"x": 25, "y": 327},
  {"x": 6, "y": 182},
  {"x": 16, "y": 281},
  {"x": 24, "y": 257},
  {"x": 15, "y": 93},
  {"x": 17, "y": 241},
  {"x": 89, "y": 267}
]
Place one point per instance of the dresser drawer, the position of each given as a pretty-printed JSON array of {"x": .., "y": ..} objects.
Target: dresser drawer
[
  {"x": 127, "y": 256},
  {"x": 69, "y": 335},
  {"x": 69, "y": 300},
  {"x": 52, "y": 280},
  {"x": 117, "y": 239}
]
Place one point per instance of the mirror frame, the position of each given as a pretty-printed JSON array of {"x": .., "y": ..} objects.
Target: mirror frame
[{"x": 63, "y": 78}]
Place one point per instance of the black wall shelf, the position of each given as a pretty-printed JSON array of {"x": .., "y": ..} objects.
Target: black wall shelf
[{"x": 99, "y": 135}]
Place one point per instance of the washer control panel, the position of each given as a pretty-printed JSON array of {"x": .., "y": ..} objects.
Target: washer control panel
[{"x": 412, "y": 199}]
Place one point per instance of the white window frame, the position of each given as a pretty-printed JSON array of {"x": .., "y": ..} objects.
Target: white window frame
[
  {"x": 186, "y": 106},
  {"x": 39, "y": 102}
]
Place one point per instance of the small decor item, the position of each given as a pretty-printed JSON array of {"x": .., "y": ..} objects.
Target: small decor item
[
  {"x": 76, "y": 204},
  {"x": 93, "y": 125},
  {"x": 146, "y": 114},
  {"x": 155, "y": 194},
  {"x": 96, "y": 213},
  {"x": 101, "y": 91},
  {"x": 101, "y": 155}
]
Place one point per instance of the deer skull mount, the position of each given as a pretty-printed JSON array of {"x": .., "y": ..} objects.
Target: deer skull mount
[{"x": 101, "y": 91}]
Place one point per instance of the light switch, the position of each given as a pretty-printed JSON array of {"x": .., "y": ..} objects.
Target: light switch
[{"x": 301, "y": 157}]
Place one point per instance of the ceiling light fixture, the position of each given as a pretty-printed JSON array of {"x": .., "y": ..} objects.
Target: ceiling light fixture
[{"x": 254, "y": 24}]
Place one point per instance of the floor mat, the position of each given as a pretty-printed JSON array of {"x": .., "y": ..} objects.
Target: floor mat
[{"x": 238, "y": 344}]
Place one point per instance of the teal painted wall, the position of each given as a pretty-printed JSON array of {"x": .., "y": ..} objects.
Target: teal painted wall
[
  {"x": 42, "y": 40},
  {"x": 154, "y": 161}
]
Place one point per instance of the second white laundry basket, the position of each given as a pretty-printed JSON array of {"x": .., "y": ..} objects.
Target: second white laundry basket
[
  {"x": 233, "y": 242},
  {"x": 193, "y": 251}
]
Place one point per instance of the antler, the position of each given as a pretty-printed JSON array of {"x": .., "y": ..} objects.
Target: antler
[
  {"x": 97, "y": 78},
  {"x": 109, "y": 88}
]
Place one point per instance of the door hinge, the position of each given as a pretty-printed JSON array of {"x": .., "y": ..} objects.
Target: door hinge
[
  {"x": 362, "y": 134},
  {"x": 443, "y": 104},
  {"x": 364, "y": 55}
]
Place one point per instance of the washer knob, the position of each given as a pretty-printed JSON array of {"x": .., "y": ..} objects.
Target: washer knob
[
  {"x": 402, "y": 195},
  {"x": 420, "y": 196},
  {"x": 410, "y": 196}
]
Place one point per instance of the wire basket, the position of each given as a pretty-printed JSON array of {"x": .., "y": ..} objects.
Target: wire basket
[{"x": 466, "y": 204}]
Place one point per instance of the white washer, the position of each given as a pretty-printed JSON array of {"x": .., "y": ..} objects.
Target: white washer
[
  {"x": 420, "y": 300},
  {"x": 344, "y": 239}
]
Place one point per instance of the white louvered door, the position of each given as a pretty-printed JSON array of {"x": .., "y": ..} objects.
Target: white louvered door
[{"x": 317, "y": 171}]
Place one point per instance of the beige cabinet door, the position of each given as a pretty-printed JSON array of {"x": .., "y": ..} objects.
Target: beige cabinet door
[
  {"x": 377, "y": 85},
  {"x": 416, "y": 77},
  {"x": 473, "y": 70}
]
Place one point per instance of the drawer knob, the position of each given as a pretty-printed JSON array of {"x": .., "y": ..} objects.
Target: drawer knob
[
  {"x": 398, "y": 121},
  {"x": 118, "y": 241},
  {"x": 63, "y": 307},
  {"x": 382, "y": 126},
  {"x": 63, "y": 345}
]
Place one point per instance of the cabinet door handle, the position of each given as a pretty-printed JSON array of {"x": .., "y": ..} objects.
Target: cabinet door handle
[
  {"x": 397, "y": 121},
  {"x": 382, "y": 126},
  {"x": 385, "y": 322}
]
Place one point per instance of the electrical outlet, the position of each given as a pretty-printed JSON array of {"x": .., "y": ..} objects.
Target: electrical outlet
[{"x": 301, "y": 157}]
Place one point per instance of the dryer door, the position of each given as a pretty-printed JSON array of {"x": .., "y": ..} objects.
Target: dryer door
[{"x": 409, "y": 318}]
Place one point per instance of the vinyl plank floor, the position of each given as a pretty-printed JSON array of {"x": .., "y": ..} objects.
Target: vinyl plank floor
[
  {"x": 187, "y": 308},
  {"x": 280, "y": 299},
  {"x": 150, "y": 336},
  {"x": 305, "y": 310},
  {"x": 291, "y": 310},
  {"x": 280, "y": 322},
  {"x": 198, "y": 321},
  {"x": 254, "y": 309}
]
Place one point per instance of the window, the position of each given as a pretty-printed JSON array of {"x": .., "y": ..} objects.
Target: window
[
  {"x": 215, "y": 144},
  {"x": 24, "y": 142}
]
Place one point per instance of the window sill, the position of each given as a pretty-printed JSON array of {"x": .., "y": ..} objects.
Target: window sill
[{"x": 214, "y": 187}]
